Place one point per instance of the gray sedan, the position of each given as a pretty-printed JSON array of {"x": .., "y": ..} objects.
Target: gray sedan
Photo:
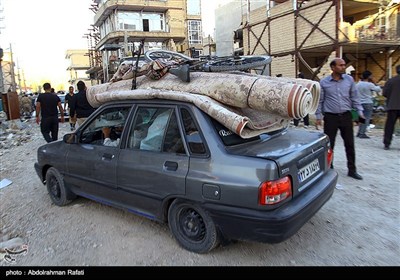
[{"x": 170, "y": 162}]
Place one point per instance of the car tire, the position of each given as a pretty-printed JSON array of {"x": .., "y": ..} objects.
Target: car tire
[
  {"x": 192, "y": 227},
  {"x": 58, "y": 192}
]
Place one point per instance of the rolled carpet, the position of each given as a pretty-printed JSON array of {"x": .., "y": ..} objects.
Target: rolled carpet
[
  {"x": 280, "y": 97},
  {"x": 244, "y": 122}
]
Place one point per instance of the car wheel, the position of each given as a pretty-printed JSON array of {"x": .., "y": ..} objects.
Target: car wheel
[
  {"x": 192, "y": 227},
  {"x": 59, "y": 194}
]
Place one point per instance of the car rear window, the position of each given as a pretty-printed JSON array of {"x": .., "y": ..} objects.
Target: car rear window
[{"x": 230, "y": 138}]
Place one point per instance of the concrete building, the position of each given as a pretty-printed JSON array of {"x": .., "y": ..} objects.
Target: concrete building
[
  {"x": 227, "y": 18},
  {"x": 78, "y": 64},
  {"x": 303, "y": 36},
  {"x": 228, "y": 21},
  {"x": 120, "y": 25},
  {"x": 8, "y": 76}
]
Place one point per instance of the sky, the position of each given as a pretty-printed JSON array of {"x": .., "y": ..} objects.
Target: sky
[{"x": 40, "y": 32}]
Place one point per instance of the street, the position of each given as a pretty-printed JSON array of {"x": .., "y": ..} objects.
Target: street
[{"x": 359, "y": 226}]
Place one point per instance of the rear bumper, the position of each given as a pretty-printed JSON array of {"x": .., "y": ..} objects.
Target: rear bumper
[{"x": 276, "y": 225}]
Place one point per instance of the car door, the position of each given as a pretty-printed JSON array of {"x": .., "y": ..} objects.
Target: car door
[
  {"x": 154, "y": 164},
  {"x": 92, "y": 165}
]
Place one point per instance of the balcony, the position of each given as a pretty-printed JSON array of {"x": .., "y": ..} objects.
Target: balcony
[
  {"x": 367, "y": 33},
  {"x": 129, "y": 5},
  {"x": 116, "y": 37}
]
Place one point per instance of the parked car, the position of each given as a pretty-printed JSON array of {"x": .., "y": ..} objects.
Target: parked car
[
  {"x": 66, "y": 111},
  {"x": 175, "y": 164}
]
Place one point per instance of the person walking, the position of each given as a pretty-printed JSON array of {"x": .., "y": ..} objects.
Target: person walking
[
  {"x": 80, "y": 105},
  {"x": 68, "y": 101},
  {"x": 365, "y": 89},
  {"x": 338, "y": 97},
  {"x": 391, "y": 91},
  {"x": 26, "y": 106},
  {"x": 46, "y": 107},
  {"x": 306, "y": 120}
]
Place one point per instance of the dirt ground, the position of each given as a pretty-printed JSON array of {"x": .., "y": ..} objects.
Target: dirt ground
[{"x": 359, "y": 226}]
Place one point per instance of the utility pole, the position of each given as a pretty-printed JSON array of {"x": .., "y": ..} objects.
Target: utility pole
[
  {"x": 209, "y": 44},
  {"x": 19, "y": 77},
  {"x": 23, "y": 79},
  {"x": 1, "y": 72},
  {"x": 12, "y": 73}
]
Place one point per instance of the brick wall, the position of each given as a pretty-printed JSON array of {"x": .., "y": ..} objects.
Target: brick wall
[
  {"x": 282, "y": 37},
  {"x": 282, "y": 27},
  {"x": 283, "y": 65},
  {"x": 376, "y": 69},
  {"x": 282, "y": 34},
  {"x": 328, "y": 25}
]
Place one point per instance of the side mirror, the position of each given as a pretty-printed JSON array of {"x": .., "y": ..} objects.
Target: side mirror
[{"x": 70, "y": 138}]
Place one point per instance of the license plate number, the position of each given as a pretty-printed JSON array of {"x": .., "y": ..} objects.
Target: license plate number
[{"x": 308, "y": 170}]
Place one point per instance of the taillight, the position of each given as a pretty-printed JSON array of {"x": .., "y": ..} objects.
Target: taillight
[
  {"x": 329, "y": 157},
  {"x": 272, "y": 192}
]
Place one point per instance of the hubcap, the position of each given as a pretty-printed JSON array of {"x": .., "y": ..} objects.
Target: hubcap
[
  {"x": 54, "y": 188},
  {"x": 192, "y": 225}
]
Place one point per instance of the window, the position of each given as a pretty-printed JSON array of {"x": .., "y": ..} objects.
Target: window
[
  {"x": 193, "y": 7},
  {"x": 140, "y": 21},
  {"x": 128, "y": 21},
  {"x": 196, "y": 53},
  {"x": 146, "y": 25},
  {"x": 156, "y": 129},
  {"x": 112, "y": 120},
  {"x": 194, "y": 140},
  {"x": 173, "y": 141},
  {"x": 155, "y": 21},
  {"x": 194, "y": 29}
]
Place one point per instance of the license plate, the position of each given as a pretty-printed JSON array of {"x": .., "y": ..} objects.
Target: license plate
[{"x": 308, "y": 170}]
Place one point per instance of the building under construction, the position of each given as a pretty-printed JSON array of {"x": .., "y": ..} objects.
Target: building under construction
[
  {"x": 78, "y": 65},
  {"x": 120, "y": 25},
  {"x": 303, "y": 36}
]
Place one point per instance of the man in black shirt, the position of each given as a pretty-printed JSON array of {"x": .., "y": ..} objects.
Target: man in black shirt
[
  {"x": 392, "y": 93},
  {"x": 46, "y": 106},
  {"x": 68, "y": 101},
  {"x": 80, "y": 105}
]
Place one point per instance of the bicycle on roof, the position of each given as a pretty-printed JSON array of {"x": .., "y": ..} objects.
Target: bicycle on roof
[{"x": 211, "y": 64}]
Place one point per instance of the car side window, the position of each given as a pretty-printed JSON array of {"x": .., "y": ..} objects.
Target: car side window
[
  {"x": 194, "y": 140},
  {"x": 150, "y": 129},
  {"x": 173, "y": 142},
  {"x": 111, "y": 120},
  {"x": 140, "y": 126}
]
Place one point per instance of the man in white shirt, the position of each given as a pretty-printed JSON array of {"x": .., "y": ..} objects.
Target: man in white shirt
[
  {"x": 366, "y": 88},
  {"x": 107, "y": 139}
]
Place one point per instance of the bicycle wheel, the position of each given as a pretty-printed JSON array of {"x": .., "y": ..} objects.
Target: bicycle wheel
[
  {"x": 240, "y": 63},
  {"x": 168, "y": 55}
]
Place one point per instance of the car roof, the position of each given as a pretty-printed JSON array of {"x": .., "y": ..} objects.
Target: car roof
[{"x": 148, "y": 101}]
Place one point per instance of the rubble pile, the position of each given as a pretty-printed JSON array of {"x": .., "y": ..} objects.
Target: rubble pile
[{"x": 14, "y": 132}]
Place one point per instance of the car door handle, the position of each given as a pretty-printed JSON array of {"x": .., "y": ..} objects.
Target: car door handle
[
  {"x": 171, "y": 165},
  {"x": 107, "y": 157}
]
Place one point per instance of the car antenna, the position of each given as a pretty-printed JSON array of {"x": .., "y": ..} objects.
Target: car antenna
[{"x": 138, "y": 53}]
